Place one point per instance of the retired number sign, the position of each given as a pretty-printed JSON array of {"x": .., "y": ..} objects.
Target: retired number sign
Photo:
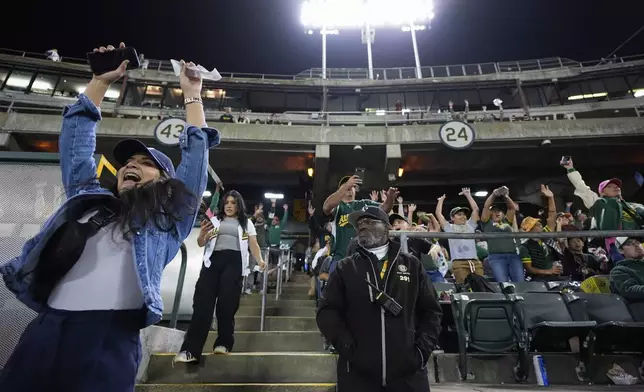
[
  {"x": 457, "y": 135},
  {"x": 167, "y": 131}
]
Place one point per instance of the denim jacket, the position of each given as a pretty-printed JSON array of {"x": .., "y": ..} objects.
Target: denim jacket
[{"x": 153, "y": 249}]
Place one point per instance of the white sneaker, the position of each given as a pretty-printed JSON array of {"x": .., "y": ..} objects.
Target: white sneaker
[
  {"x": 183, "y": 357},
  {"x": 249, "y": 291},
  {"x": 221, "y": 350}
]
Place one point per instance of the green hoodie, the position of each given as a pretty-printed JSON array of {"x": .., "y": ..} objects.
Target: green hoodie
[{"x": 627, "y": 279}]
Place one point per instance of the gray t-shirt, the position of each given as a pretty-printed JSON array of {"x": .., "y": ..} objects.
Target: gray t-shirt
[
  {"x": 462, "y": 249},
  {"x": 228, "y": 236}
]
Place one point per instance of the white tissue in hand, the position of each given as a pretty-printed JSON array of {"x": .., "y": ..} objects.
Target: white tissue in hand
[{"x": 205, "y": 74}]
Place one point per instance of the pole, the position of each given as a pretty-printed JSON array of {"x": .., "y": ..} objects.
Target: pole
[
  {"x": 324, "y": 52},
  {"x": 419, "y": 73},
  {"x": 369, "y": 57}
]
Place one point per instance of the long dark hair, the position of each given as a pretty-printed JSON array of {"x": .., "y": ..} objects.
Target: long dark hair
[
  {"x": 160, "y": 203},
  {"x": 241, "y": 207}
]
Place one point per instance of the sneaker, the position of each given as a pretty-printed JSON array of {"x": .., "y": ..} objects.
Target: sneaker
[
  {"x": 221, "y": 350},
  {"x": 183, "y": 357},
  {"x": 332, "y": 349},
  {"x": 249, "y": 291}
]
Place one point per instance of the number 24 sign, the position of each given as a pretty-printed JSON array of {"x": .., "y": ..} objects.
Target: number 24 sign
[
  {"x": 457, "y": 135},
  {"x": 167, "y": 131}
]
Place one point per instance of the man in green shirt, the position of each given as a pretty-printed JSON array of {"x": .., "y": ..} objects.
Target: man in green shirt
[
  {"x": 275, "y": 231},
  {"x": 340, "y": 204}
]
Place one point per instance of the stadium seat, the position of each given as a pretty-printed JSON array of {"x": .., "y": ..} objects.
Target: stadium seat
[
  {"x": 444, "y": 286},
  {"x": 488, "y": 322},
  {"x": 616, "y": 331},
  {"x": 523, "y": 287},
  {"x": 549, "y": 323}
]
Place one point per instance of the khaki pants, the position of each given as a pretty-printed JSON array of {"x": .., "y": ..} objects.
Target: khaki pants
[
  {"x": 312, "y": 286},
  {"x": 462, "y": 268}
]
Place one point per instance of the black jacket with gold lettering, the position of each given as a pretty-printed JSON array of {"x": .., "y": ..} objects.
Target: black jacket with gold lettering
[{"x": 370, "y": 341}]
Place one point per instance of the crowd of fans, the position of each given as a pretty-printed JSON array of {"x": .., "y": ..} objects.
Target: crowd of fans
[{"x": 613, "y": 260}]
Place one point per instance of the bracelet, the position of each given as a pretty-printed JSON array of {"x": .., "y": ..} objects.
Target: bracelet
[{"x": 190, "y": 100}]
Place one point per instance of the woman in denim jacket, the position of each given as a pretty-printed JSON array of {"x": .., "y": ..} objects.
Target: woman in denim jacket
[{"x": 93, "y": 273}]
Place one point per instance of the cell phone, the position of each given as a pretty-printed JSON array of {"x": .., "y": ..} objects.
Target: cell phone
[
  {"x": 360, "y": 174},
  {"x": 565, "y": 160},
  {"x": 107, "y": 61}
]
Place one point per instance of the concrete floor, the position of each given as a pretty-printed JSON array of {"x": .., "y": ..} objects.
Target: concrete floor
[{"x": 529, "y": 388}]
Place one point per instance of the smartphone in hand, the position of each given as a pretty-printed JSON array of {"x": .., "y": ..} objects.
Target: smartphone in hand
[
  {"x": 565, "y": 160},
  {"x": 359, "y": 172},
  {"x": 107, "y": 61}
]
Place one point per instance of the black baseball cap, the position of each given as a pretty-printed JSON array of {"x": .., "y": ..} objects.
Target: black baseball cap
[
  {"x": 369, "y": 212},
  {"x": 395, "y": 217}
]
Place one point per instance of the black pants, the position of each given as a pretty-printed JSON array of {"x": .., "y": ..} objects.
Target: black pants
[
  {"x": 220, "y": 283},
  {"x": 77, "y": 351},
  {"x": 350, "y": 380}
]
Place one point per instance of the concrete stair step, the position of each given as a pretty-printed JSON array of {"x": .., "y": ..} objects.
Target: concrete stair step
[
  {"x": 267, "y": 341},
  {"x": 276, "y": 323},
  {"x": 283, "y": 302},
  {"x": 296, "y": 311},
  {"x": 273, "y": 323},
  {"x": 245, "y": 368},
  {"x": 283, "y": 387}
]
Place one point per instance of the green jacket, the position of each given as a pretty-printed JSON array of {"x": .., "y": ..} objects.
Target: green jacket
[
  {"x": 627, "y": 279},
  {"x": 275, "y": 231},
  {"x": 612, "y": 213}
]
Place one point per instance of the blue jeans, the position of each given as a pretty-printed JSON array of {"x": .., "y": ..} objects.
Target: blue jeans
[
  {"x": 95, "y": 350},
  {"x": 506, "y": 267}
]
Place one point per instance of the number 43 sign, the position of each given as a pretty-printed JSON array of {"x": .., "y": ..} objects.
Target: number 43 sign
[
  {"x": 167, "y": 131},
  {"x": 457, "y": 135}
]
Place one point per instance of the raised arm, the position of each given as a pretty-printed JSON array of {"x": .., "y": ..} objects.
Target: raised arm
[
  {"x": 401, "y": 209},
  {"x": 391, "y": 195},
  {"x": 77, "y": 141},
  {"x": 335, "y": 198},
  {"x": 512, "y": 209},
  {"x": 284, "y": 216},
  {"x": 552, "y": 207},
  {"x": 194, "y": 143},
  {"x": 485, "y": 215},
  {"x": 475, "y": 208},
  {"x": 587, "y": 195},
  {"x": 439, "y": 211},
  {"x": 214, "y": 202}
]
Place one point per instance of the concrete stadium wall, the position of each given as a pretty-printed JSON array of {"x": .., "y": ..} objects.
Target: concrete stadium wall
[{"x": 300, "y": 134}]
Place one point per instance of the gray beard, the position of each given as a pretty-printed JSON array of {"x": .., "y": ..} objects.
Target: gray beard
[{"x": 369, "y": 241}]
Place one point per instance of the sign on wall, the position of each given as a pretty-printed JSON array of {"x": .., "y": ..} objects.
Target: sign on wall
[
  {"x": 167, "y": 131},
  {"x": 457, "y": 135}
]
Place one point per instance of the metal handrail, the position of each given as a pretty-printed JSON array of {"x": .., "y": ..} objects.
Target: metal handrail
[
  {"x": 520, "y": 234},
  {"x": 262, "y": 320},
  {"x": 395, "y": 73},
  {"x": 174, "y": 316}
]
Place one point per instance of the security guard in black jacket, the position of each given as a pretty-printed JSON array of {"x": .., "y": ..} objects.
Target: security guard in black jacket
[{"x": 380, "y": 312}]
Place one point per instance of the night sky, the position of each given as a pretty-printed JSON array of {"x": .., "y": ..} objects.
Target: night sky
[{"x": 266, "y": 36}]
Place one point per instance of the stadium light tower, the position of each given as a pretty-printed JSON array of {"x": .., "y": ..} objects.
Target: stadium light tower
[{"x": 332, "y": 15}]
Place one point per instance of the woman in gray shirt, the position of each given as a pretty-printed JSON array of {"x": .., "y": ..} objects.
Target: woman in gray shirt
[{"x": 227, "y": 238}]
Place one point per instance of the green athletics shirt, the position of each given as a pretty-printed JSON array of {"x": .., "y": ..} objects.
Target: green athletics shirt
[
  {"x": 540, "y": 255},
  {"x": 343, "y": 231},
  {"x": 500, "y": 245}
]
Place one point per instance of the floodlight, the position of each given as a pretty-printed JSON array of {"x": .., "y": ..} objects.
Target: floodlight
[
  {"x": 207, "y": 193},
  {"x": 481, "y": 193},
  {"x": 273, "y": 195},
  {"x": 358, "y": 13}
]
